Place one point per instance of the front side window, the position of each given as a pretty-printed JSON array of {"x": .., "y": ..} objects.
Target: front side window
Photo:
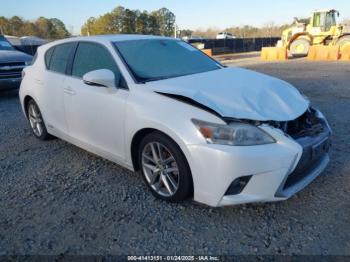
[
  {"x": 155, "y": 59},
  {"x": 90, "y": 57},
  {"x": 60, "y": 57}
]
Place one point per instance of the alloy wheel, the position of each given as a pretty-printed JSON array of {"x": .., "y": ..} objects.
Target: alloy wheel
[
  {"x": 160, "y": 169},
  {"x": 35, "y": 120}
]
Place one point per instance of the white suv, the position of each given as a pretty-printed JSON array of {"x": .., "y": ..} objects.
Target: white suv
[{"x": 191, "y": 126}]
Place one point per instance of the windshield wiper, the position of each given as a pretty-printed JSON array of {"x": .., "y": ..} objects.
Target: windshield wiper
[
  {"x": 151, "y": 79},
  {"x": 144, "y": 80}
]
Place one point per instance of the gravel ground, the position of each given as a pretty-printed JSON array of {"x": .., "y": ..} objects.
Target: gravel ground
[{"x": 58, "y": 199}]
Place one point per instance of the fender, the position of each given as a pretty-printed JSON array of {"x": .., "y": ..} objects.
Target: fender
[
  {"x": 342, "y": 35},
  {"x": 337, "y": 39},
  {"x": 296, "y": 36}
]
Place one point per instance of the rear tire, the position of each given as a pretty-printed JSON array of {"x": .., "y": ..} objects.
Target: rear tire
[
  {"x": 343, "y": 41},
  {"x": 300, "y": 47},
  {"x": 164, "y": 168},
  {"x": 36, "y": 121}
]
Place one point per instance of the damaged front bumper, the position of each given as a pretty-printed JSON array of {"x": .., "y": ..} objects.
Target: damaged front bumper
[
  {"x": 269, "y": 173},
  {"x": 313, "y": 161}
]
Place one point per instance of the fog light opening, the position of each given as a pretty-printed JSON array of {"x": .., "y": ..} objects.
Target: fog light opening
[{"x": 238, "y": 185}]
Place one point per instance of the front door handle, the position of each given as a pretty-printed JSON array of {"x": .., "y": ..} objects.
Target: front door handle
[{"x": 69, "y": 90}]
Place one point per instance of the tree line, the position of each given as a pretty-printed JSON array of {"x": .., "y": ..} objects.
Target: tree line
[
  {"x": 47, "y": 28},
  {"x": 126, "y": 21}
]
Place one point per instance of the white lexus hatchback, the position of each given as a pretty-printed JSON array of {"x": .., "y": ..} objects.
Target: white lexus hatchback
[{"x": 191, "y": 126}]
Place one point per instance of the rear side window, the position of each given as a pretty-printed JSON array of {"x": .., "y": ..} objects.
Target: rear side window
[
  {"x": 90, "y": 57},
  {"x": 317, "y": 20},
  {"x": 60, "y": 57}
]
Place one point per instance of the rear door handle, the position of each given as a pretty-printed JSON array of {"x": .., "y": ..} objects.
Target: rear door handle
[{"x": 69, "y": 90}]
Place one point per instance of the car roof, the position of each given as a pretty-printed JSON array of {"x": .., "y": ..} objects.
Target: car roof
[
  {"x": 105, "y": 39},
  {"x": 120, "y": 37},
  {"x": 114, "y": 38}
]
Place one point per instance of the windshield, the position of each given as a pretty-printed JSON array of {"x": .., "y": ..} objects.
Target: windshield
[
  {"x": 4, "y": 44},
  {"x": 156, "y": 59}
]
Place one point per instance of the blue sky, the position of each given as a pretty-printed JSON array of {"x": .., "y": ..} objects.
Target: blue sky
[{"x": 191, "y": 14}]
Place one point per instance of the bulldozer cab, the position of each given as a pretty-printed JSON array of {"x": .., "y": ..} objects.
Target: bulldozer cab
[{"x": 324, "y": 20}]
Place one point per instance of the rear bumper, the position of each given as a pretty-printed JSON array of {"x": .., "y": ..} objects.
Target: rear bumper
[
  {"x": 277, "y": 171},
  {"x": 10, "y": 83}
]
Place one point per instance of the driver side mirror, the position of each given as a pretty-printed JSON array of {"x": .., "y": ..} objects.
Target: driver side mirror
[{"x": 101, "y": 77}]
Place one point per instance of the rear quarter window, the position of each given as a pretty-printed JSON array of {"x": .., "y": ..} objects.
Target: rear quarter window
[
  {"x": 48, "y": 56},
  {"x": 60, "y": 57}
]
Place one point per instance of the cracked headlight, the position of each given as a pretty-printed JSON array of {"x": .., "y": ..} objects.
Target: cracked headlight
[{"x": 234, "y": 134}]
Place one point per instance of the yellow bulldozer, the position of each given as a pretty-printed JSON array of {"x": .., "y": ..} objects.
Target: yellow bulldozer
[{"x": 320, "y": 29}]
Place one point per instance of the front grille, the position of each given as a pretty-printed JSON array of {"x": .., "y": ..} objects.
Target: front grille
[
  {"x": 12, "y": 64},
  {"x": 10, "y": 75},
  {"x": 309, "y": 161},
  {"x": 314, "y": 136},
  {"x": 315, "y": 150},
  {"x": 11, "y": 70}
]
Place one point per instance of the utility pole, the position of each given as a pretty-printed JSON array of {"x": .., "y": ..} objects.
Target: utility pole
[
  {"x": 71, "y": 30},
  {"x": 88, "y": 29}
]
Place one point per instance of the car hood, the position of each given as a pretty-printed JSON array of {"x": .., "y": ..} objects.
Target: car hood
[
  {"x": 9, "y": 56},
  {"x": 238, "y": 93}
]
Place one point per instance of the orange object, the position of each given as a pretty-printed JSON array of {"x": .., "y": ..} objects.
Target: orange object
[
  {"x": 345, "y": 54},
  {"x": 323, "y": 53},
  {"x": 208, "y": 52},
  {"x": 274, "y": 54}
]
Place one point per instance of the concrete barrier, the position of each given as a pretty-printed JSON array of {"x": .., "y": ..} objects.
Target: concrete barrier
[
  {"x": 323, "y": 53},
  {"x": 274, "y": 54},
  {"x": 345, "y": 54}
]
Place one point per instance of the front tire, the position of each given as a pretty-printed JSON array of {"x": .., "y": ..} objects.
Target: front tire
[
  {"x": 165, "y": 168},
  {"x": 299, "y": 48},
  {"x": 36, "y": 121}
]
